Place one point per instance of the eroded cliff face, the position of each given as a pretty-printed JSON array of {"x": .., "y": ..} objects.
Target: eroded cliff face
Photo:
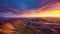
[{"x": 29, "y": 25}]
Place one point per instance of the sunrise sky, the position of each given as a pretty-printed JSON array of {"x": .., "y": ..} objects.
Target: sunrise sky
[{"x": 31, "y": 8}]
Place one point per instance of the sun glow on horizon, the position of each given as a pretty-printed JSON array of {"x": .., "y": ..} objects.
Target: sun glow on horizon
[{"x": 46, "y": 13}]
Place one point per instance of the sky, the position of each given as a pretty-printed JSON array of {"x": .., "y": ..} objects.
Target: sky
[
  {"x": 21, "y": 5},
  {"x": 15, "y": 7}
]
